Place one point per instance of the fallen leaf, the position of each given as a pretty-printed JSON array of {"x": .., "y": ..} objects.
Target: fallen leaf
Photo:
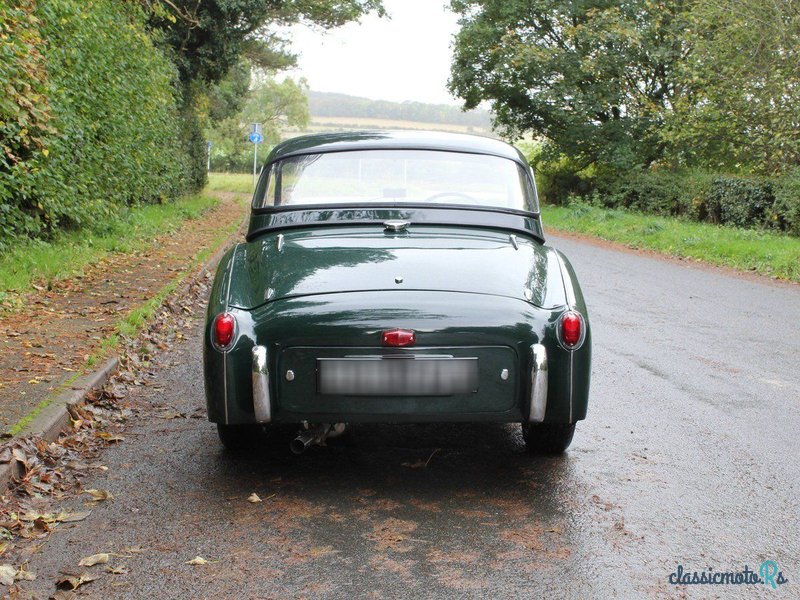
[
  {"x": 318, "y": 551},
  {"x": 120, "y": 570},
  {"x": 25, "y": 575},
  {"x": 7, "y": 574},
  {"x": 100, "y": 495},
  {"x": 94, "y": 559},
  {"x": 109, "y": 437},
  {"x": 73, "y": 583},
  {"x": 64, "y": 595},
  {"x": 19, "y": 456},
  {"x": 41, "y": 526},
  {"x": 67, "y": 517},
  {"x": 197, "y": 560},
  {"x": 253, "y": 498},
  {"x": 173, "y": 414}
]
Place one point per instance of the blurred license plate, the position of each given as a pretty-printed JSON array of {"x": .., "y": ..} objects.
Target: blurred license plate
[{"x": 378, "y": 376}]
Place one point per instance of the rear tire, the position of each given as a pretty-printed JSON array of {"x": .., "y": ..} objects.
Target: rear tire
[
  {"x": 548, "y": 438},
  {"x": 239, "y": 439}
]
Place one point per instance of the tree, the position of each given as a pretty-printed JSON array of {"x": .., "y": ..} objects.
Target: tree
[
  {"x": 206, "y": 39},
  {"x": 594, "y": 77},
  {"x": 227, "y": 98},
  {"x": 209, "y": 37},
  {"x": 741, "y": 106},
  {"x": 274, "y": 104}
]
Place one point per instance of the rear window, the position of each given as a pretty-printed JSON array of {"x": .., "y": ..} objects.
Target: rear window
[{"x": 397, "y": 176}]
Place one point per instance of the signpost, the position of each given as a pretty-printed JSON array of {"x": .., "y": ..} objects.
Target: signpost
[{"x": 256, "y": 138}]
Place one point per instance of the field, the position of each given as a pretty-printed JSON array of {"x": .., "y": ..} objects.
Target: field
[{"x": 331, "y": 124}]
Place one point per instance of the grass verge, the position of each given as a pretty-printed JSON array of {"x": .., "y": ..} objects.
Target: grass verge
[
  {"x": 230, "y": 182},
  {"x": 762, "y": 252},
  {"x": 69, "y": 253},
  {"x": 129, "y": 326}
]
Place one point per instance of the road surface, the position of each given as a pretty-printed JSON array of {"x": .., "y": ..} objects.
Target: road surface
[{"x": 689, "y": 457}]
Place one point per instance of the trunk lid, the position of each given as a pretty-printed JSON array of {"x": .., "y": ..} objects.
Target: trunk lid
[{"x": 329, "y": 260}]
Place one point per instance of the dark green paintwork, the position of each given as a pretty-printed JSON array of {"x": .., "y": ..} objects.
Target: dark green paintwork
[
  {"x": 394, "y": 140},
  {"x": 316, "y": 261},
  {"x": 331, "y": 291}
]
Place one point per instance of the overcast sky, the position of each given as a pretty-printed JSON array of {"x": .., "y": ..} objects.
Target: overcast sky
[{"x": 405, "y": 57}]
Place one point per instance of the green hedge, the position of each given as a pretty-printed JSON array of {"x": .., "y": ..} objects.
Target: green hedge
[
  {"x": 735, "y": 200},
  {"x": 89, "y": 116}
]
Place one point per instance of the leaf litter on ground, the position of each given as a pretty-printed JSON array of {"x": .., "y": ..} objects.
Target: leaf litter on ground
[
  {"x": 48, "y": 473},
  {"x": 95, "y": 559}
]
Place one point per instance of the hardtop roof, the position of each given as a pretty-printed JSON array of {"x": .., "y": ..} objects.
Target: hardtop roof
[{"x": 394, "y": 140}]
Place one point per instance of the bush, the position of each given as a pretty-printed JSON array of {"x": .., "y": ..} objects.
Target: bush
[
  {"x": 786, "y": 210},
  {"x": 557, "y": 177},
  {"x": 93, "y": 125},
  {"x": 24, "y": 115},
  {"x": 740, "y": 201},
  {"x": 666, "y": 193}
]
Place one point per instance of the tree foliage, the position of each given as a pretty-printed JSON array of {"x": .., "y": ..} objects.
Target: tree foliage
[
  {"x": 741, "y": 109},
  {"x": 104, "y": 102},
  {"x": 208, "y": 37},
  {"x": 272, "y": 103},
  {"x": 625, "y": 83},
  {"x": 92, "y": 124},
  {"x": 593, "y": 76}
]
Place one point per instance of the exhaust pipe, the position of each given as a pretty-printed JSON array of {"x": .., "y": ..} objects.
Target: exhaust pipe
[{"x": 315, "y": 435}]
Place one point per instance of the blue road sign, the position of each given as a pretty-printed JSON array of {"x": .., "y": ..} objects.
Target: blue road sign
[{"x": 255, "y": 137}]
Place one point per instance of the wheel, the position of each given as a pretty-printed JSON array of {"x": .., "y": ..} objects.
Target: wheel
[
  {"x": 547, "y": 438},
  {"x": 239, "y": 438}
]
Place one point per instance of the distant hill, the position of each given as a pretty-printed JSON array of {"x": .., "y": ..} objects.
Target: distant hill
[{"x": 341, "y": 106}]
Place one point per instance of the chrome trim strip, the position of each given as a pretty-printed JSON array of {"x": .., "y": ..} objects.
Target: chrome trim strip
[
  {"x": 225, "y": 354},
  {"x": 262, "y": 405},
  {"x": 571, "y": 302},
  {"x": 538, "y": 402},
  {"x": 225, "y": 383},
  {"x": 571, "y": 383}
]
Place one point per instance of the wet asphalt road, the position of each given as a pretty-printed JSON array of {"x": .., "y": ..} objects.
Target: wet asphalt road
[{"x": 689, "y": 456}]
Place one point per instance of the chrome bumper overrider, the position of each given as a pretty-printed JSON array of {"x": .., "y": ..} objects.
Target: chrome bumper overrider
[
  {"x": 538, "y": 384},
  {"x": 262, "y": 404}
]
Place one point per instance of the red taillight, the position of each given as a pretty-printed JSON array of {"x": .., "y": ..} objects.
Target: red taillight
[
  {"x": 399, "y": 337},
  {"x": 571, "y": 329},
  {"x": 224, "y": 330}
]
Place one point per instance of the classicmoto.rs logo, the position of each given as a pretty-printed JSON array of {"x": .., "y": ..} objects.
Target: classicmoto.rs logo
[{"x": 768, "y": 574}]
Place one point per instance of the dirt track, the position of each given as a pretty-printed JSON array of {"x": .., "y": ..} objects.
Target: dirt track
[{"x": 46, "y": 342}]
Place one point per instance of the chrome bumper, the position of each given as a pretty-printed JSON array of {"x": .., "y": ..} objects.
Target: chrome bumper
[
  {"x": 262, "y": 404},
  {"x": 538, "y": 402}
]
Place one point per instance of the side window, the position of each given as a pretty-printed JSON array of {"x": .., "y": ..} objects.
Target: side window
[
  {"x": 529, "y": 183},
  {"x": 265, "y": 190}
]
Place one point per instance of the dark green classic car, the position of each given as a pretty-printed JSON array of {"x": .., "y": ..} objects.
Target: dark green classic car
[{"x": 395, "y": 277}]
